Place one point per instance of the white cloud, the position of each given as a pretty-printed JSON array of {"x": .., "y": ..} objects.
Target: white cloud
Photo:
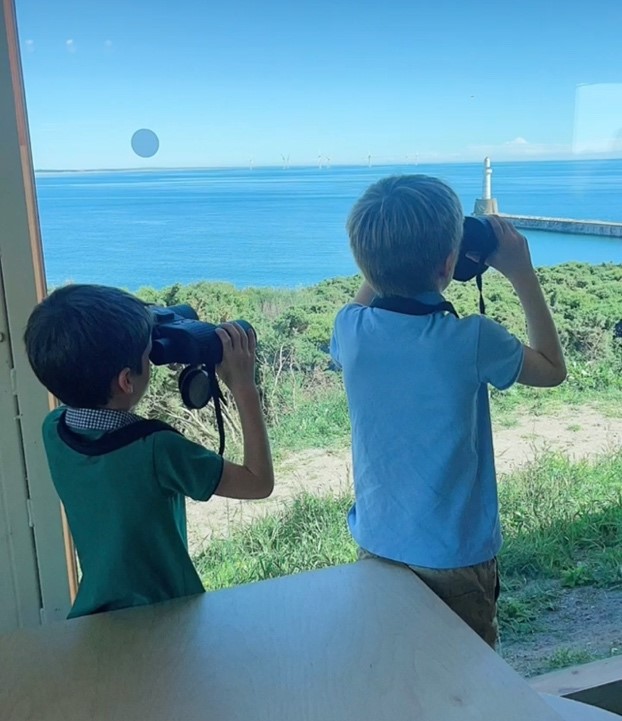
[
  {"x": 519, "y": 148},
  {"x": 30, "y": 46},
  {"x": 70, "y": 45}
]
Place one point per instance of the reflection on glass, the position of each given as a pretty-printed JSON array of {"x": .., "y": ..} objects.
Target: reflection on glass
[{"x": 145, "y": 143}]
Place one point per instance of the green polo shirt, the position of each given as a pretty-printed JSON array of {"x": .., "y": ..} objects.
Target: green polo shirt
[{"x": 127, "y": 515}]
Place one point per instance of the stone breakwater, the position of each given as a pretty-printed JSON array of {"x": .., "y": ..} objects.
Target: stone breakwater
[{"x": 566, "y": 225}]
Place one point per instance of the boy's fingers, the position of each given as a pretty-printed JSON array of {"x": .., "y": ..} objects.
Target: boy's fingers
[
  {"x": 497, "y": 229},
  {"x": 225, "y": 338},
  {"x": 252, "y": 341},
  {"x": 505, "y": 231},
  {"x": 498, "y": 225},
  {"x": 245, "y": 340},
  {"x": 236, "y": 334},
  {"x": 243, "y": 336}
]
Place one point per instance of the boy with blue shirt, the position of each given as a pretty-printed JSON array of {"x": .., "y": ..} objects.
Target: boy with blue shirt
[
  {"x": 123, "y": 479},
  {"x": 417, "y": 389}
]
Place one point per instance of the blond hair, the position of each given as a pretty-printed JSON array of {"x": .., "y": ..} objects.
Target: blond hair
[{"x": 402, "y": 230}]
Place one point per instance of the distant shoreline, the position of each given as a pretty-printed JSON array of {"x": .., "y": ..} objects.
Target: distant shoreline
[{"x": 278, "y": 166}]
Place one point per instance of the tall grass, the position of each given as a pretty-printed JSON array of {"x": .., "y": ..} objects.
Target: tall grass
[
  {"x": 309, "y": 534},
  {"x": 564, "y": 520}
]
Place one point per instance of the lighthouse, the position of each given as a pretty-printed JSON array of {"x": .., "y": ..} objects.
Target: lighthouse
[{"x": 486, "y": 205}]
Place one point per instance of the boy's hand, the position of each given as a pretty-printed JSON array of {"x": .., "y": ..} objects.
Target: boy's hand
[
  {"x": 237, "y": 368},
  {"x": 255, "y": 477},
  {"x": 512, "y": 257}
]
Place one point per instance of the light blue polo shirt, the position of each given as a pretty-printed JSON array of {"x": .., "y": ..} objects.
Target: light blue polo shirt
[{"x": 423, "y": 461}]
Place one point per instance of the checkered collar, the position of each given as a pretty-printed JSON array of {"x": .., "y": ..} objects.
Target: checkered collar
[{"x": 99, "y": 419}]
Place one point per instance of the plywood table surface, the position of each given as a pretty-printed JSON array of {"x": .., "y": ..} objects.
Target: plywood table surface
[{"x": 362, "y": 642}]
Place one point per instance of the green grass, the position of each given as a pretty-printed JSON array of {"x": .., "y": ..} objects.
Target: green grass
[
  {"x": 319, "y": 419},
  {"x": 310, "y": 534},
  {"x": 564, "y": 657},
  {"x": 567, "y": 656},
  {"x": 563, "y": 520},
  {"x": 521, "y": 606},
  {"x": 562, "y": 525},
  {"x": 508, "y": 406}
]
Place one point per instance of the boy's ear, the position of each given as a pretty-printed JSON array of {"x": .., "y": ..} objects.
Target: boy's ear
[{"x": 124, "y": 381}]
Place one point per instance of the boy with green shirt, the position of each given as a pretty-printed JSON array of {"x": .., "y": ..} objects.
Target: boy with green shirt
[{"x": 123, "y": 479}]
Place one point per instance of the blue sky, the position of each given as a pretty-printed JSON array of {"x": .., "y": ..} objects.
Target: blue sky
[{"x": 222, "y": 83}]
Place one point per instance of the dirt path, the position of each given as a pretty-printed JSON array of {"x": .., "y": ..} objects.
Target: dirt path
[
  {"x": 578, "y": 432},
  {"x": 584, "y": 624}
]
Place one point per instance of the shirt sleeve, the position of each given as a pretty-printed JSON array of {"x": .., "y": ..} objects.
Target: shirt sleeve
[
  {"x": 334, "y": 349},
  {"x": 185, "y": 467},
  {"x": 344, "y": 322},
  {"x": 499, "y": 355}
]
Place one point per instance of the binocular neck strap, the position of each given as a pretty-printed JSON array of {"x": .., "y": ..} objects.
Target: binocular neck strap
[
  {"x": 410, "y": 306},
  {"x": 482, "y": 305},
  {"x": 218, "y": 400}
]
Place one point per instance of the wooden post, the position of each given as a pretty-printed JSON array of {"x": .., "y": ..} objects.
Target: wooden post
[{"x": 37, "y": 563}]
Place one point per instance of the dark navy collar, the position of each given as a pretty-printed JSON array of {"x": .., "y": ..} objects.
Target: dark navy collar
[
  {"x": 430, "y": 297},
  {"x": 422, "y": 304}
]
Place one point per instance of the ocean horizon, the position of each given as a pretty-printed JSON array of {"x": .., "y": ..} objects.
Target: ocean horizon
[{"x": 571, "y": 158}]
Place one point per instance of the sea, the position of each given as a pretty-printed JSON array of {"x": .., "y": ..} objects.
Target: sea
[{"x": 283, "y": 227}]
